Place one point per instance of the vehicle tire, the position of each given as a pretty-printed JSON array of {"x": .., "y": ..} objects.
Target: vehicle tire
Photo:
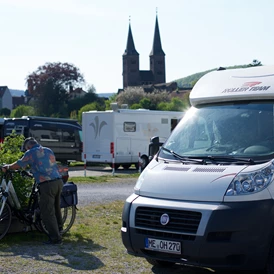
[
  {"x": 160, "y": 263},
  {"x": 68, "y": 215},
  {"x": 5, "y": 219},
  {"x": 144, "y": 162},
  {"x": 116, "y": 166},
  {"x": 126, "y": 166}
]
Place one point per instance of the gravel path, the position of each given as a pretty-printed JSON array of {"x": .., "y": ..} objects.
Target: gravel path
[{"x": 105, "y": 192}]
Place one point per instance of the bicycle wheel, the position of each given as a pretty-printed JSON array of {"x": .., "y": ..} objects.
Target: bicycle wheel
[
  {"x": 68, "y": 216},
  {"x": 5, "y": 219}
]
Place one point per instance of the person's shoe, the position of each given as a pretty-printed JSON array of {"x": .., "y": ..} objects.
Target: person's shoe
[{"x": 51, "y": 242}]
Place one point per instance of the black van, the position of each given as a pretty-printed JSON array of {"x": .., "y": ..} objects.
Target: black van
[{"x": 63, "y": 136}]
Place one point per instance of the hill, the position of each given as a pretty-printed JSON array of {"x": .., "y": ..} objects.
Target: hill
[{"x": 189, "y": 81}]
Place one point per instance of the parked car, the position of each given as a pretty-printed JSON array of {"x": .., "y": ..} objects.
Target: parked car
[{"x": 63, "y": 136}]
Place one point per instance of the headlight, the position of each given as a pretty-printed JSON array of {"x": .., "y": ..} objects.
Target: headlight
[
  {"x": 139, "y": 182},
  {"x": 249, "y": 183}
]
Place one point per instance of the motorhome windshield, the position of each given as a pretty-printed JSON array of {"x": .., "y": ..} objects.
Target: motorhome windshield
[{"x": 243, "y": 130}]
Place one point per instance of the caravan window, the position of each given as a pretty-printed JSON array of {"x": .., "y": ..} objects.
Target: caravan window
[{"x": 129, "y": 126}]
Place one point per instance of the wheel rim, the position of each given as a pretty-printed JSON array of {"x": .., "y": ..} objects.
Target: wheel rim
[
  {"x": 5, "y": 220},
  {"x": 68, "y": 217}
]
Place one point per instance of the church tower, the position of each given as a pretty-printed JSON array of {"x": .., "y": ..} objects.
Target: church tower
[
  {"x": 132, "y": 75},
  {"x": 157, "y": 57},
  {"x": 130, "y": 63}
]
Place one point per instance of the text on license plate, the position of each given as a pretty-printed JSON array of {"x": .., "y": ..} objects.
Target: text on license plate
[{"x": 163, "y": 246}]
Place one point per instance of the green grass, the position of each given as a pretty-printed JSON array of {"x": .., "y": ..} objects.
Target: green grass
[
  {"x": 93, "y": 245},
  {"x": 103, "y": 178}
]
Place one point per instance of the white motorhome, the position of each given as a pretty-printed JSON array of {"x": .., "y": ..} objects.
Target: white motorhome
[
  {"x": 122, "y": 135},
  {"x": 207, "y": 197}
]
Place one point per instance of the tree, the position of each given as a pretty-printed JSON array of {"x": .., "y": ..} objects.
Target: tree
[
  {"x": 22, "y": 110},
  {"x": 88, "y": 107},
  {"x": 255, "y": 63},
  {"x": 90, "y": 97},
  {"x": 49, "y": 85},
  {"x": 5, "y": 112}
]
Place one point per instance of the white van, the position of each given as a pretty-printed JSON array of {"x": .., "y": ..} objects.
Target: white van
[{"x": 207, "y": 197}]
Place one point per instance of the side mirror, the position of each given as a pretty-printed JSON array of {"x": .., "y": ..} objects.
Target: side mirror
[{"x": 154, "y": 146}]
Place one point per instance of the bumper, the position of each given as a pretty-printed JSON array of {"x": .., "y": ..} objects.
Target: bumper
[{"x": 229, "y": 235}]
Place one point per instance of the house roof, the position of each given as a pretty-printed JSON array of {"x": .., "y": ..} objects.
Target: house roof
[
  {"x": 17, "y": 92},
  {"x": 2, "y": 90}
]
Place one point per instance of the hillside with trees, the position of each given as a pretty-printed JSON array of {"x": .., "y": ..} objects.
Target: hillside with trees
[{"x": 189, "y": 81}]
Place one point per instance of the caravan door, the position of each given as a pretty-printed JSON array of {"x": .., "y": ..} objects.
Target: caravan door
[{"x": 123, "y": 150}]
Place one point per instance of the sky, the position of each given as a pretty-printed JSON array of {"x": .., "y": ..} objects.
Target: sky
[{"x": 196, "y": 35}]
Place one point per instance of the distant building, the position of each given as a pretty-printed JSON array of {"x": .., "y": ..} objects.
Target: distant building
[
  {"x": 132, "y": 75},
  {"x": 5, "y": 98},
  {"x": 76, "y": 93},
  {"x": 18, "y": 97}
]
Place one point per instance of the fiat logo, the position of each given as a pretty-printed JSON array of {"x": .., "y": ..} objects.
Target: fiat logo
[{"x": 164, "y": 219}]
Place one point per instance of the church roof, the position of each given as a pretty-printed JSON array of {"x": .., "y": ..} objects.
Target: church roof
[
  {"x": 146, "y": 75},
  {"x": 157, "y": 45},
  {"x": 130, "y": 49}
]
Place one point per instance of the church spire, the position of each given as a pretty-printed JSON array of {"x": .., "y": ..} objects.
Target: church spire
[
  {"x": 157, "y": 45},
  {"x": 130, "y": 49}
]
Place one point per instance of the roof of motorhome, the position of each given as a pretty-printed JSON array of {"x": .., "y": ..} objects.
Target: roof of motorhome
[
  {"x": 255, "y": 83},
  {"x": 136, "y": 111}
]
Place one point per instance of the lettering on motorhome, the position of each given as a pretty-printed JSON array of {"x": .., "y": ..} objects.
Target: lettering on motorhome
[
  {"x": 260, "y": 88},
  {"x": 235, "y": 90},
  {"x": 244, "y": 89}
]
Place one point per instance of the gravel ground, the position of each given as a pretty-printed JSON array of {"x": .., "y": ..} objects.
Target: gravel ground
[{"x": 108, "y": 192}]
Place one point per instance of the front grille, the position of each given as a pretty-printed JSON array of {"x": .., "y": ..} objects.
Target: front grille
[
  {"x": 166, "y": 235},
  {"x": 179, "y": 220}
]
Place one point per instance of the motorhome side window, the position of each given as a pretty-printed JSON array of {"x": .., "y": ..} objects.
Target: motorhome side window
[{"x": 129, "y": 126}]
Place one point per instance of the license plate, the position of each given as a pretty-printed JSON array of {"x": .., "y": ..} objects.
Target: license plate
[{"x": 163, "y": 246}]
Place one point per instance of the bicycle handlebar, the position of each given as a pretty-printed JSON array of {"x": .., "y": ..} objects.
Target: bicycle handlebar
[{"x": 21, "y": 172}]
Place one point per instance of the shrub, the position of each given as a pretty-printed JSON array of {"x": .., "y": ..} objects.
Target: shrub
[{"x": 10, "y": 151}]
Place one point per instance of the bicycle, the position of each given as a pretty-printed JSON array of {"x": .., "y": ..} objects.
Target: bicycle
[{"x": 29, "y": 215}]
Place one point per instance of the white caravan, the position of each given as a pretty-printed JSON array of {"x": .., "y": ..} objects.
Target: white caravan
[
  {"x": 207, "y": 197},
  {"x": 122, "y": 135}
]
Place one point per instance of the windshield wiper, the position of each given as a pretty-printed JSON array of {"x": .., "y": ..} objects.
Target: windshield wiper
[
  {"x": 184, "y": 159},
  {"x": 230, "y": 159}
]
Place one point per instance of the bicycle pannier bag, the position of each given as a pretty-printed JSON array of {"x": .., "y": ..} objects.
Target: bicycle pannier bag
[{"x": 69, "y": 195}]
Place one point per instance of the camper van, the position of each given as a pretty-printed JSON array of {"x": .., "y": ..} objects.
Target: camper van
[
  {"x": 63, "y": 136},
  {"x": 122, "y": 136},
  {"x": 207, "y": 197}
]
